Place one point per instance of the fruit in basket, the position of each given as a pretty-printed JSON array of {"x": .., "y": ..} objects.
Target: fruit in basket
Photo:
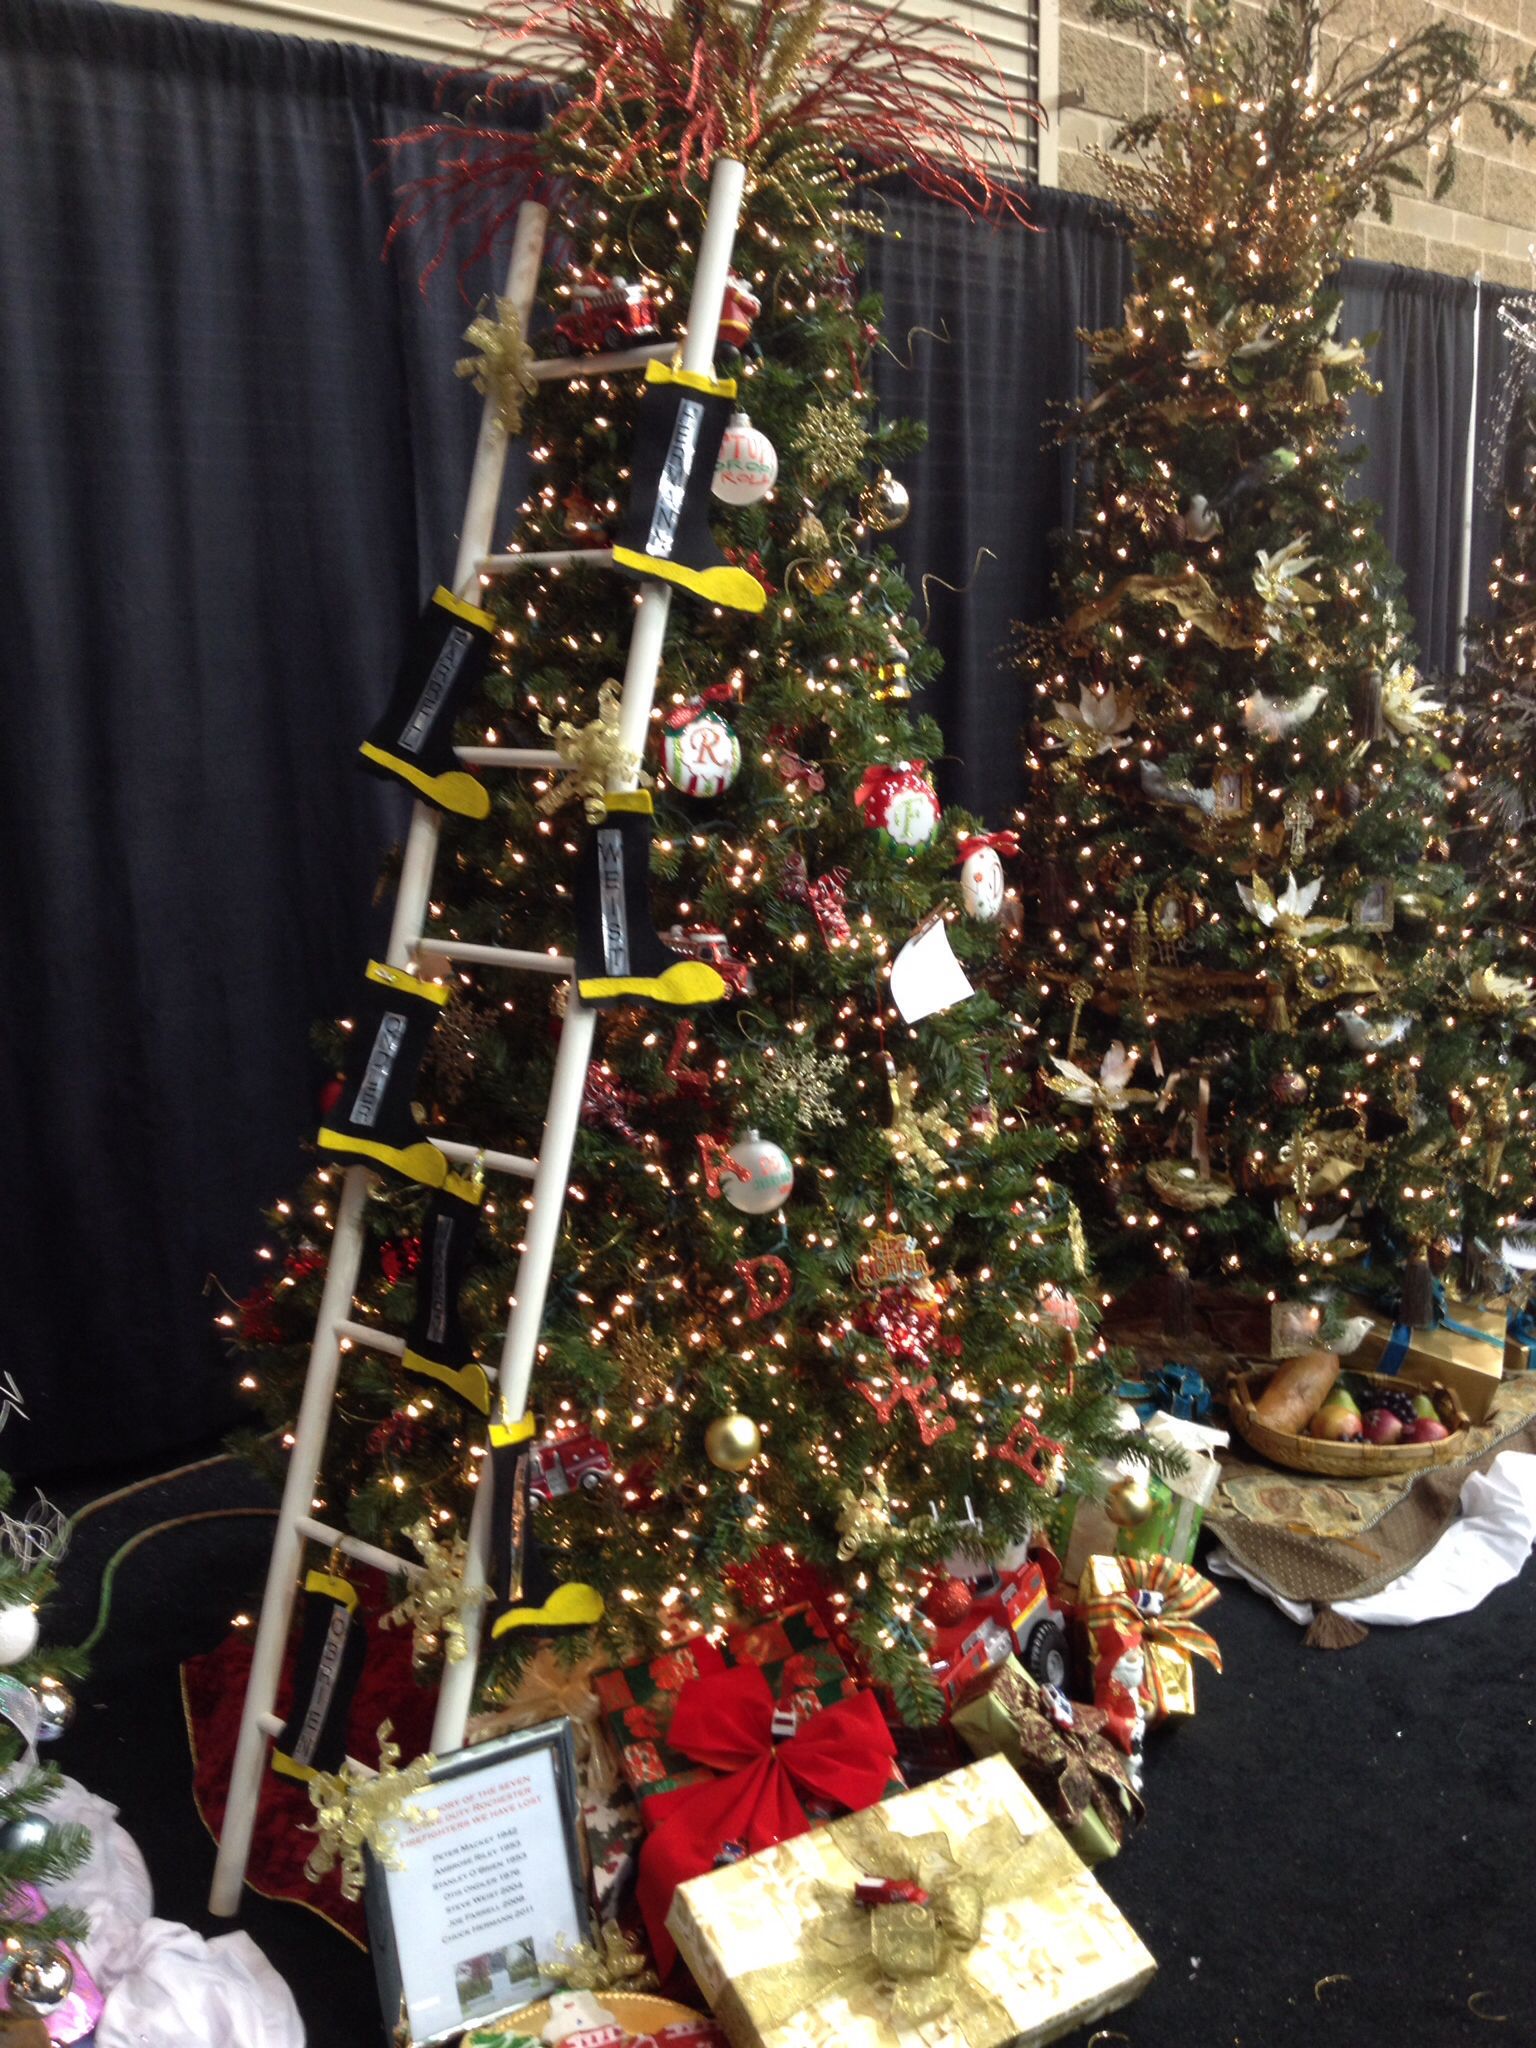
[
  {"x": 1424, "y": 1408},
  {"x": 1338, "y": 1421},
  {"x": 1426, "y": 1429},
  {"x": 1297, "y": 1391},
  {"x": 1382, "y": 1426},
  {"x": 1396, "y": 1400}
]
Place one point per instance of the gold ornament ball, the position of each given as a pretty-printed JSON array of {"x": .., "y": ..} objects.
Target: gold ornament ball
[
  {"x": 1129, "y": 1502},
  {"x": 884, "y": 503},
  {"x": 731, "y": 1442}
]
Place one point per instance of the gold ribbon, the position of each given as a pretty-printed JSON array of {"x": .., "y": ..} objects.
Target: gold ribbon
[
  {"x": 905, "y": 1964},
  {"x": 594, "y": 758},
  {"x": 503, "y": 369},
  {"x": 436, "y": 1599},
  {"x": 546, "y": 1690},
  {"x": 354, "y": 1811}
]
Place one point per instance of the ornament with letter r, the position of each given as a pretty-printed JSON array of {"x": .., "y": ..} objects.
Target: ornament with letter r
[
  {"x": 702, "y": 754},
  {"x": 770, "y": 1176},
  {"x": 748, "y": 464}
]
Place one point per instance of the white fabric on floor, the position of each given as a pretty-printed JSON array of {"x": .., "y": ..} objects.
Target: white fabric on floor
[
  {"x": 1483, "y": 1549},
  {"x": 164, "y": 1986}
]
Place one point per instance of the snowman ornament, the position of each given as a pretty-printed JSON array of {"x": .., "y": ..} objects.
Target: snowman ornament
[{"x": 982, "y": 884}]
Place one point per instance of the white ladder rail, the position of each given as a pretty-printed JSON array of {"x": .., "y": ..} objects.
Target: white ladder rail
[
  {"x": 546, "y": 558},
  {"x": 574, "y": 1053},
  {"x": 347, "y": 1237}
]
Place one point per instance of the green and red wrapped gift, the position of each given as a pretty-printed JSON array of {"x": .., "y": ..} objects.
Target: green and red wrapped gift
[{"x": 734, "y": 1748}]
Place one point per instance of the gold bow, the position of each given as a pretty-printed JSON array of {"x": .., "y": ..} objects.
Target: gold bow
[
  {"x": 546, "y": 1690},
  {"x": 614, "y": 1962},
  {"x": 594, "y": 759},
  {"x": 503, "y": 369},
  {"x": 905, "y": 1964},
  {"x": 435, "y": 1601},
  {"x": 911, "y": 1129},
  {"x": 354, "y": 1811}
]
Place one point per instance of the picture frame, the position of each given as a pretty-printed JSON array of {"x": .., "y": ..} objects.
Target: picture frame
[
  {"x": 486, "y": 1885},
  {"x": 1375, "y": 907},
  {"x": 1232, "y": 791}
]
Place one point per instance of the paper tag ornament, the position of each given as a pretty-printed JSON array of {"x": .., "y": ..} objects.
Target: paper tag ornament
[
  {"x": 899, "y": 802},
  {"x": 747, "y": 465},
  {"x": 702, "y": 755},
  {"x": 982, "y": 884},
  {"x": 925, "y": 975}
]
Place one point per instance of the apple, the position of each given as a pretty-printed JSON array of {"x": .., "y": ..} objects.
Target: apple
[
  {"x": 1382, "y": 1426},
  {"x": 1426, "y": 1429}
]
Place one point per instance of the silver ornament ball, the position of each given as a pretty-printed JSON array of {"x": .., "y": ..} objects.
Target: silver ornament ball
[
  {"x": 884, "y": 503},
  {"x": 19, "y": 1836},
  {"x": 56, "y": 1705},
  {"x": 41, "y": 1979}
]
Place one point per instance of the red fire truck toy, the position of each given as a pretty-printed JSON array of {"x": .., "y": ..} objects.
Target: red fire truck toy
[
  {"x": 609, "y": 313},
  {"x": 566, "y": 1462},
  {"x": 701, "y": 942},
  {"x": 1011, "y": 1612}
]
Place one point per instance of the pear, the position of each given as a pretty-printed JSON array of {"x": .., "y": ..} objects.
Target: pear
[
  {"x": 1423, "y": 1406},
  {"x": 1341, "y": 1397}
]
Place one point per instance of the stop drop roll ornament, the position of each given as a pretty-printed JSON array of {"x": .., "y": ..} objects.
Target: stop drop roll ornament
[
  {"x": 747, "y": 466},
  {"x": 769, "y": 1176}
]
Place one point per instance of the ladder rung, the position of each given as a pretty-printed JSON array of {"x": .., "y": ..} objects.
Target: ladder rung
[
  {"x": 550, "y": 369},
  {"x": 549, "y": 558},
  {"x": 273, "y": 1724},
  {"x": 509, "y": 757},
  {"x": 493, "y": 1162},
  {"x": 355, "y": 1547},
  {"x": 372, "y": 1339},
  {"x": 495, "y": 956}
]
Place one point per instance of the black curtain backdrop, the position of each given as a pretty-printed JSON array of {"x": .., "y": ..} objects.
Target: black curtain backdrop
[{"x": 232, "y": 460}]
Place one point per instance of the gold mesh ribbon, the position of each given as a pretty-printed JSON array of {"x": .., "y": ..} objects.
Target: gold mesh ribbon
[
  {"x": 546, "y": 1690},
  {"x": 503, "y": 368},
  {"x": 594, "y": 759},
  {"x": 905, "y": 1964},
  {"x": 614, "y": 1962},
  {"x": 354, "y": 1812},
  {"x": 436, "y": 1599}
]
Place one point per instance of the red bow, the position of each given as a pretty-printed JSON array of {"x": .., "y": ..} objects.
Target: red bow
[
  {"x": 684, "y": 714},
  {"x": 1005, "y": 843},
  {"x": 886, "y": 777},
  {"x": 840, "y": 1757}
]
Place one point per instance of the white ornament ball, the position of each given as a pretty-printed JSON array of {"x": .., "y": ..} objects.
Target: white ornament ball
[
  {"x": 981, "y": 885},
  {"x": 747, "y": 465},
  {"x": 770, "y": 1176},
  {"x": 18, "y": 1633},
  {"x": 703, "y": 757}
]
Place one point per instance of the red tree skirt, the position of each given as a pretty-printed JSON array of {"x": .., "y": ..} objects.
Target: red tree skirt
[{"x": 213, "y": 1691}]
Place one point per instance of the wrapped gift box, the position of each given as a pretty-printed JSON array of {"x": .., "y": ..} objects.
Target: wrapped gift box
[
  {"x": 1010, "y": 1939},
  {"x": 1466, "y": 1353},
  {"x": 1060, "y": 1750},
  {"x": 1138, "y": 1614},
  {"x": 638, "y": 1701}
]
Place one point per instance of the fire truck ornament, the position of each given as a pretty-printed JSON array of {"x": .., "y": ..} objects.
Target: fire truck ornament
[{"x": 608, "y": 314}]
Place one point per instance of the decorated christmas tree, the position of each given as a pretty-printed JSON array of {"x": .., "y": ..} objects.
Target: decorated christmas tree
[
  {"x": 35, "y": 1708},
  {"x": 1266, "y": 1016},
  {"x": 818, "y": 1318}
]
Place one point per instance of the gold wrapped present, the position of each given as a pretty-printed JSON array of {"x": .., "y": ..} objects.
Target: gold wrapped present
[
  {"x": 955, "y": 1916},
  {"x": 1469, "y": 1352}
]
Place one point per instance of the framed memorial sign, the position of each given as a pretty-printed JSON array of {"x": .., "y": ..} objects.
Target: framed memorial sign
[{"x": 489, "y": 1881}]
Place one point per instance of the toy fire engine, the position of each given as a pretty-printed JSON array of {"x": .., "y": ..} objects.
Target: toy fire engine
[
  {"x": 1012, "y": 1613},
  {"x": 609, "y": 313},
  {"x": 701, "y": 942},
  {"x": 565, "y": 1463}
]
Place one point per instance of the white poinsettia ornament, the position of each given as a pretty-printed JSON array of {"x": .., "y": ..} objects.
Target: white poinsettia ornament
[
  {"x": 1096, "y": 722},
  {"x": 1279, "y": 577},
  {"x": 1407, "y": 705},
  {"x": 1109, "y": 1088},
  {"x": 1289, "y": 914}
]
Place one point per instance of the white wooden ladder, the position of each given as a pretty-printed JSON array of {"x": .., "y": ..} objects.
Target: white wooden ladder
[{"x": 549, "y": 1173}]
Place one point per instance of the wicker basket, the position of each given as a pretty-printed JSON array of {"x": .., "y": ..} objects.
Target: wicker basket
[{"x": 1336, "y": 1461}]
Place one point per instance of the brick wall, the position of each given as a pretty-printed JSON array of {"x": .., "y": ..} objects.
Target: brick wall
[{"x": 1486, "y": 222}]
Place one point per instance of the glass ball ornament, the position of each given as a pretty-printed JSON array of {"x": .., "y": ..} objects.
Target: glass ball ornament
[
  {"x": 770, "y": 1176},
  {"x": 702, "y": 754},
  {"x": 747, "y": 466},
  {"x": 982, "y": 884},
  {"x": 1129, "y": 1501},
  {"x": 731, "y": 1442},
  {"x": 884, "y": 503},
  {"x": 1289, "y": 1088},
  {"x": 56, "y": 1708},
  {"x": 40, "y": 1979},
  {"x": 947, "y": 1602},
  {"x": 18, "y": 1632},
  {"x": 28, "y": 1832}
]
